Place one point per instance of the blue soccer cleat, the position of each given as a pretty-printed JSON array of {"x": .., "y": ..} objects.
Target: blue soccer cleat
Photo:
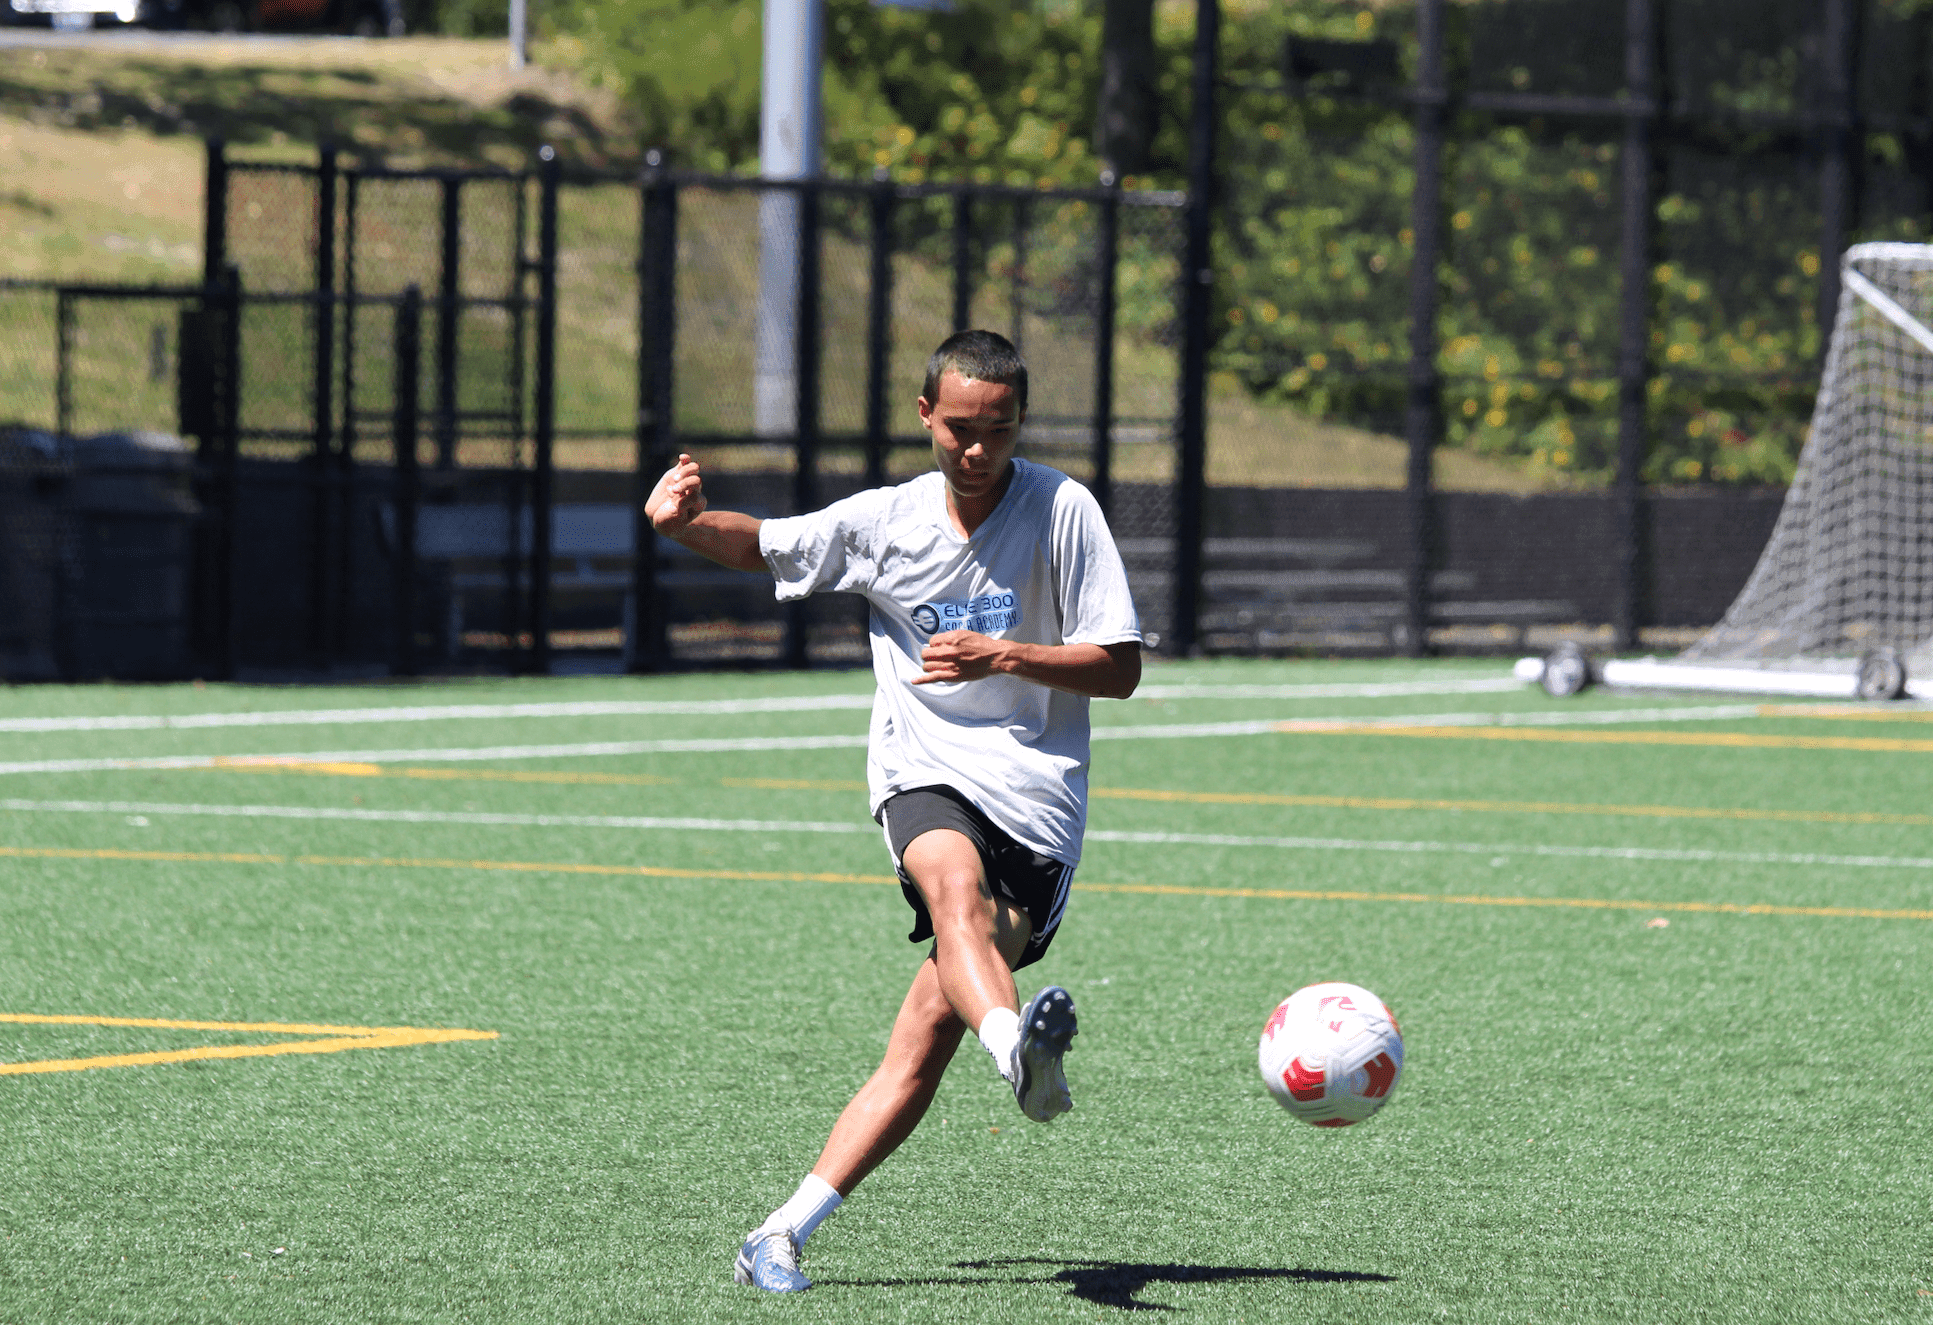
[
  {"x": 1046, "y": 1028},
  {"x": 770, "y": 1260}
]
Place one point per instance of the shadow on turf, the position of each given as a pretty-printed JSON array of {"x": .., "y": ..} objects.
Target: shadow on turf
[{"x": 1114, "y": 1283}]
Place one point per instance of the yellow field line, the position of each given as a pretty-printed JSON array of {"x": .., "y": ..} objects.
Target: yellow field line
[
  {"x": 1477, "y": 899},
  {"x": 340, "y": 1038},
  {"x": 439, "y": 863},
  {"x": 242, "y": 764},
  {"x": 357, "y": 770},
  {"x": 789, "y": 876},
  {"x": 1505, "y": 807},
  {"x": 167, "y": 1024},
  {"x": 577, "y": 867},
  {"x": 794, "y": 784},
  {"x": 1735, "y": 740},
  {"x": 1845, "y": 712},
  {"x": 113, "y": 853}
]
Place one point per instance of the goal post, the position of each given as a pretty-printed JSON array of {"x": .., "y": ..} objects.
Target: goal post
[{"x": 1841, "y": 601}]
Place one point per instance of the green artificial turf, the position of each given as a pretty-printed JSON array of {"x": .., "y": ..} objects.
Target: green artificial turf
[{"x": 1719, "y": 1119}]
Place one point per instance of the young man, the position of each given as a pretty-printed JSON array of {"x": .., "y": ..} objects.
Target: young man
[{"x": 999, "y": 606}]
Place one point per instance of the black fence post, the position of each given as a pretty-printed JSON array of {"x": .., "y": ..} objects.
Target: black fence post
[
  {"x": 226, "y": 398},
  {"x": 1104, "y": 307},
  {"x": 879, "y": 329},
  {"x": 646, "y": 646},
  {"x": 962, "y": 259},
  {"x": 515, "y": 493},
  {"x": 448, "y": 295},
  {"x": 1839, "y": 155},
  {"x": 63, "y": 364},
  {"x": 214, "y": 214},
  {"x": 805, "y": 474},
  {"x": 1423, "y": 423},
  {"x": 1197, "y": 294},
  {"x": 322, "y": 470},
  {"x": 544, "y": 472},
  {"x": 407, "y": 351},
  {"x": 345, "y": 457},
  {"x": 1634, "y": 311}
]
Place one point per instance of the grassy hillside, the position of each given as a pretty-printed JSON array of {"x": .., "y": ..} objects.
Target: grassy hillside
[{"x": 101, "y": 180}]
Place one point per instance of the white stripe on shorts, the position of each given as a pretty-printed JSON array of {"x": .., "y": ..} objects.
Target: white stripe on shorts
[{"x": 1061, "y": 893}]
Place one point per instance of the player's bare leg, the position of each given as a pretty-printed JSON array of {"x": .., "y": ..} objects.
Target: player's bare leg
[
  {"x": 975, "y": 977},
  {"x": 883, "y": 1114},
  {"x": 925, "y": 1034},
  {"x": 978, "y": 938}
]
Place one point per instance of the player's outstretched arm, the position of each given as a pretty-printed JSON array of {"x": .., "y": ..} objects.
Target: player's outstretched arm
[
  {"x": 1101, "y": 671},
  {"x": 678, "y": 511}
]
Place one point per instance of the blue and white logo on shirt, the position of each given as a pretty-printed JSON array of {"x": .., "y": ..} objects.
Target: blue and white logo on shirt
[{"x": 985, "y": 615}]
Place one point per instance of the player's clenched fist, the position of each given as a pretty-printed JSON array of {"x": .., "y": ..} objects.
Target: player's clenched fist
[
  {"x": 959, "y": 655},
  {"x": 678, "y": 499}
]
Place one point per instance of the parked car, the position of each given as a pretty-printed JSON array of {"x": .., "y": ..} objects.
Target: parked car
[
  {"x": 70, "y": 15},
  {"x": 363, "y": 18}
]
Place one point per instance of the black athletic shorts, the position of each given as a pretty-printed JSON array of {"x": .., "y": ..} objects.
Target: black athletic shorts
[{"x": 1035, "y": 883}]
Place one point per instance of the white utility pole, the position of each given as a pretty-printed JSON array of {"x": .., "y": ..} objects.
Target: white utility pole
[
  {"x": 789, "y": 135},
  {"x": 519, "y": 27}
]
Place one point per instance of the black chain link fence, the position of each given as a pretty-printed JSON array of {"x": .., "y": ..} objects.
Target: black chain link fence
[
  {"x": 897, "y": 268},
  {"x": 1527, "y": 298},
  {"x": 357, "y": 456},
  {"x": 105, "y": 551},
  {"x": 1632, "y": 213}
]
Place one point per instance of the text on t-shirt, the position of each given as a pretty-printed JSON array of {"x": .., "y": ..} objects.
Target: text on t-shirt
[{"x": 984, "y": 615}]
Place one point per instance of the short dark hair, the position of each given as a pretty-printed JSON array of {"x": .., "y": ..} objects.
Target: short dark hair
[{"x": 983, "y": 356}]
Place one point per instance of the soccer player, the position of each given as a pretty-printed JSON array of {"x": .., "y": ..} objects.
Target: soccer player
[{"x": 999, "y": 607}]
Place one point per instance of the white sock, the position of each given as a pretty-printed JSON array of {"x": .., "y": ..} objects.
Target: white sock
[
  {"x": 1000, "y": 1032},
  {"x": 815, "y": 1199}
]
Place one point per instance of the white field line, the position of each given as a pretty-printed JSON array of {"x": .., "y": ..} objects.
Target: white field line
[
  {"x": 1577, "y": 718},
  {"x": 1507, "y": 849},
  {"x": 436, "y": 713},
  {"x": 726, "y": 744},
  {"x": 160, "y": 809},
  {"x": 585, "y": 749},
  {"x": 1335, "y": 690},
  {"x": 1494, "y": 850},
  {"x": 650, "y": 707}
]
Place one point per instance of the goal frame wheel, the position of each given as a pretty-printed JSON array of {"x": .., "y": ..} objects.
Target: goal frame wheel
[
  {"x": 1567, "y": 671},
  {"x": 1881, "y": 676}
]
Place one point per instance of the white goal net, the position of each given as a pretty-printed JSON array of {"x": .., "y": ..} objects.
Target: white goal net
[{"x": 1849, "y": 568}]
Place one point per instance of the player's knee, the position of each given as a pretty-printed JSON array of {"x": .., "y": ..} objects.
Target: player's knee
[
  {"x": 957, "y": 897},
  {"x": 940, "y": 1028}
]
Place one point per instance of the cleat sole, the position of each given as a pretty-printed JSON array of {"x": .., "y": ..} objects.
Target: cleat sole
[{"x": 1047, "y": 1029}]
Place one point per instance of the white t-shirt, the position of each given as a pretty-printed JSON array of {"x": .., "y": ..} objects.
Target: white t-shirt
[{"x": 1042, "y": 569}]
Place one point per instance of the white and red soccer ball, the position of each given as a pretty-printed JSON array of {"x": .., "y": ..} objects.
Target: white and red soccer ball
[{"x": 1331, "y": 1054}]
